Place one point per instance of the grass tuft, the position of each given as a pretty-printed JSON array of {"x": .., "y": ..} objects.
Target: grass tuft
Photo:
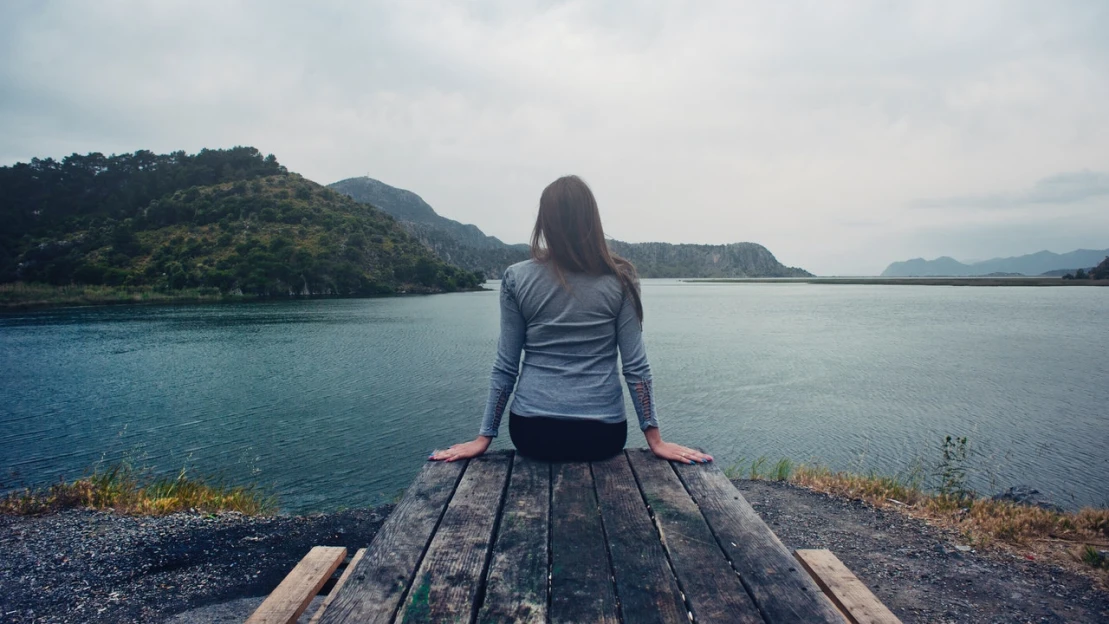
[{"x": 124, "y": 489}]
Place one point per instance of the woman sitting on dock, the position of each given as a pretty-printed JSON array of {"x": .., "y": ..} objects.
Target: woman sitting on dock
[{"x": 570, "y": 308}]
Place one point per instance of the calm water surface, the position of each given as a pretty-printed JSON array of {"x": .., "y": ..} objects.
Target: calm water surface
[{"x": 337, "y": 403}]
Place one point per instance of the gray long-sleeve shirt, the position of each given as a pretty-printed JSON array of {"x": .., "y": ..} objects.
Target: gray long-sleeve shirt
[{"x": 569, "y": 336}]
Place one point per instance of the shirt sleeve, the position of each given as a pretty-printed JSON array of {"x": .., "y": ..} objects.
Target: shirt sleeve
[
  {"x": 506, "y": 366},
  {"x": 637, "y": 372}
]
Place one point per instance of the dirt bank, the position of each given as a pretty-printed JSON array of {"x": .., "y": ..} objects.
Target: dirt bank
[{"x": 922, "y": 573}]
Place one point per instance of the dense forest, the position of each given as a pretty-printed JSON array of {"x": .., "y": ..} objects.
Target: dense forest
[{"x": 227, "y": 219}]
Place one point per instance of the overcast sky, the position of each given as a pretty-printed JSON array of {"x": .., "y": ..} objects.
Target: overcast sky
[{"x": 841, "y": 135}]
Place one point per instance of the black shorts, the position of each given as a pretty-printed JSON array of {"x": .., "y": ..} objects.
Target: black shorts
[{"x": 557, "y": 439}]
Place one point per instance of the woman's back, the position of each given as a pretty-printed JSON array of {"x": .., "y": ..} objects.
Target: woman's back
[
  {"x": 570, "y": 342},
  {"x": 569, "y": 312}
]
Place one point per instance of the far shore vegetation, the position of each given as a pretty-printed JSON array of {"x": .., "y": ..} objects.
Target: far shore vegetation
[
  {"x": 22, "y": 296},
  {"x": 128, "y": 490},
  {"x": 179, "y": 226},
  {"x": 19, "y": 295}
]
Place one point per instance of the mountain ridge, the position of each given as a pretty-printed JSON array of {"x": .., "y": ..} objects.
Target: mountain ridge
[
  {"x": 1038, "y": 263},
  {"x": 467, "y": 246}
]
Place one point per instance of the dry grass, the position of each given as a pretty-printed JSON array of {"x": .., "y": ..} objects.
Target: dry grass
[
  {"x": 126, "y": 490},
  {"x": 1066, "y": 538}
]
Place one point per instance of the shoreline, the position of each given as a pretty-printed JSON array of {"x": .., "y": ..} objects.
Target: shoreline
[
  {"x": 904, "y": 281},
  {"x": 90, "y": 296},
  {"x": 101, "y": 566}
]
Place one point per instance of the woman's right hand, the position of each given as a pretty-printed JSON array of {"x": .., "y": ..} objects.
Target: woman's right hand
[{"x": 465, "y": 450}]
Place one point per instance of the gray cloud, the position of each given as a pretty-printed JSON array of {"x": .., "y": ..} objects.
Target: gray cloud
[
  {"x": 1062, "y": 188},
  {"x": 810, "y": 128}
]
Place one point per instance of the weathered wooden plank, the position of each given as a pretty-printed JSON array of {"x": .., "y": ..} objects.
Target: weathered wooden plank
[
  {"x": 581, "y": 578},
  {"x": 780, "y": 588},
  {"x": 644, "y": 581},
  {"x": 338, "y": 584},
  {"x": 712, "y": 588},
  {"x": 446, "y": 585},
  {"x": 299, "y": 587},
  {"x": 516, "y": 584},
  {"x": 380, "y": 580},
  {"x": 844, "y": 588}
]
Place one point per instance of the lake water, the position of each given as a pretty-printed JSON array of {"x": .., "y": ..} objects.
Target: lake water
[{"x": 336, "y": 403}]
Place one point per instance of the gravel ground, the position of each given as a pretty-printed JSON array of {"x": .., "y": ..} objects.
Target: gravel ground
[
  {"x": 920, "y": 572},
  {"x": 89, "y": 566},
  {"x": 86, "y": 566}
]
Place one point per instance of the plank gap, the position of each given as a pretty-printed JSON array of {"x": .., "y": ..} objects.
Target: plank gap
[
  {"x": 338, "y": 585},
  {"x": 778, "y": 587},
  {"x": 479, "y": 599},
  {"x": 608, "y": 546},
  {"x": 720, "y": 544},
  {"x": 423, "y": 553},
  {"x": 550, "y": 533},
  {"x": 550, "y": 536},
  {"x": 658, "y": 534}
]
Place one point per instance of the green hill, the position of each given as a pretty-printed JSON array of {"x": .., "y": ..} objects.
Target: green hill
[
  {"x": 454, "y": 242},
  {"x": 221, "y": 219}
]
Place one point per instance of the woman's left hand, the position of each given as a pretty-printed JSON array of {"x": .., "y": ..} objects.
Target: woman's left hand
[{"x": 465, "y": 450}]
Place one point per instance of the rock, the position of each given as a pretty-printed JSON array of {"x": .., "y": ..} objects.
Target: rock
[{"x": 1026, "y": 495}]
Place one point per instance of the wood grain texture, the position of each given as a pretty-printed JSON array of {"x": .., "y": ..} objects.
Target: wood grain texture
[
  {"x": 299, "y": 587},
  {"x": 644, "y": 581},
  {"x": 712, "y": 588},
  {"x": 848, "y": 593},
  {"x": 581, "y": 578},
  {"x": 516, "y": 584},
  {"x": 782, "y": 591},
  {"x": 338, "y": 584},
  {"x": 446, "y": 586},
  {"x": 380, "y": 580}
]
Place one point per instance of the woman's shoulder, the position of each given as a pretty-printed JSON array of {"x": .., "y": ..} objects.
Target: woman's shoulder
[{"x": 523, "y": 266}]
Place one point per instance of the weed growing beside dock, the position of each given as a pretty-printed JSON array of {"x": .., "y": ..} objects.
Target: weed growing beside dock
[{"x": 122, "y": 488}]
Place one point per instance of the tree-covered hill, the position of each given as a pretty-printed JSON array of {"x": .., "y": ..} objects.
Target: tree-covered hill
[
  {"x": 227, "y": 219},
  {"x": 469, "y": 247},
  {"x": 458, "y": 243},
  {"x": 704, "y": 261}
]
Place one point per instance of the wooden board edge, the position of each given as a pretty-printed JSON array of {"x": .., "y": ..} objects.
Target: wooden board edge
[
  {"x": 338, "y": 584},
  {"x": 808, "y": 558},
  {"x": 266, "y": 612}
]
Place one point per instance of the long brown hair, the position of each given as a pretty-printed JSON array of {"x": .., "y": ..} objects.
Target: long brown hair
[{"x": 568, "y": 236}]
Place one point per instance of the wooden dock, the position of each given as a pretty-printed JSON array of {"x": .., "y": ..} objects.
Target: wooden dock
[{"x": 634, "y": 539}]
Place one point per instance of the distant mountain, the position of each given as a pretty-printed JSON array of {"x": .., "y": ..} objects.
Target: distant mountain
[
  {"x": 470, "y": 248},
  {"x": 458, "y": 243},
  {"x": 1032, "y": 264},
  {"x": 681, "y": 260}
]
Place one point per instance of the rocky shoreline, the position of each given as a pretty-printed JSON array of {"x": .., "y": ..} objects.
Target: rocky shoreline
[{"x": 94, "y": 566}]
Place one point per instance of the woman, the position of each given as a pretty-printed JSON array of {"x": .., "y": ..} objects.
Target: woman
[{"x": 570, "y": 308}]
